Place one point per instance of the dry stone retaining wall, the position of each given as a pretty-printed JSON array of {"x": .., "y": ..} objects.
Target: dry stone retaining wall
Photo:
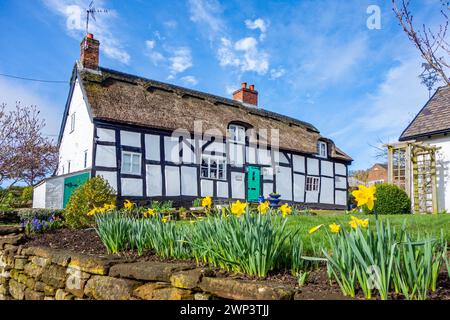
[{"x": 38, "y": 273}]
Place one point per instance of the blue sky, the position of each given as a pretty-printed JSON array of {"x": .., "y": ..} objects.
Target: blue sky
[{"x": 313, "y": 60}]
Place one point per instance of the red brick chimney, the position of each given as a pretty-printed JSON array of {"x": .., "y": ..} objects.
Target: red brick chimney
[
  {"x": 246, "y": 95},
  {"x": 89, "y": 50}
]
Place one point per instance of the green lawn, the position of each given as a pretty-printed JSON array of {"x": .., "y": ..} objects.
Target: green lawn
[{"x": 430, "y": 224}]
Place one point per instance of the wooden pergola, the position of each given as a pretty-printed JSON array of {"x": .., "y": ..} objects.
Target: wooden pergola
[{"x": 415, "y": 162}]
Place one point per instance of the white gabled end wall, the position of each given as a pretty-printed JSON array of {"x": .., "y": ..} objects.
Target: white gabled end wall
[{"x": 75, "y": 143}]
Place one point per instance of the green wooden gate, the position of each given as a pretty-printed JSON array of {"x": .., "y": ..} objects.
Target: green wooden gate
[
  {"x": 253, "y": 183},
  {"x": 71, "y": 183}
]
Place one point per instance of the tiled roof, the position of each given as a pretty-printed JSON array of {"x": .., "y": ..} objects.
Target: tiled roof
[{"x": 434, "y": 118}]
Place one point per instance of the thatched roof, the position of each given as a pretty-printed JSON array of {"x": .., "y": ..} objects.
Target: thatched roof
[
  {"x": 119, "y": 97},
  {"x": 434, "y": 118}
]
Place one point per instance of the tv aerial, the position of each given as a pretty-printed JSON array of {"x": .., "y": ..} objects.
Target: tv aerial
[{"x": 90, "y": 12}]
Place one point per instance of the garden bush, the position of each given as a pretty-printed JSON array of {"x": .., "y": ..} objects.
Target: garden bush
[
  {"x": 390, "y": 200},
  {"x": 94, "y": 193}
]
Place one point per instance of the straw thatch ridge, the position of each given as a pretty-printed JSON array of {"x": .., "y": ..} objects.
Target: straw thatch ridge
[{"x": 119, "y": 97}]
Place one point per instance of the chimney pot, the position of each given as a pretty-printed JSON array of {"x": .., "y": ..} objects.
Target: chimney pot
[
  {"x": 90, "y": 36},
  {"x": 246, "y": 95}
]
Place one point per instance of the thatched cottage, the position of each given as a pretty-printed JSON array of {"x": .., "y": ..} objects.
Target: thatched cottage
[{"x": 157, "y": 141}]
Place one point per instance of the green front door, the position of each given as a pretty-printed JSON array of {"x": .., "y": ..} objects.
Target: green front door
[
  {"x": 253, "y": 183},
  {"x": 71, "y": 183}
]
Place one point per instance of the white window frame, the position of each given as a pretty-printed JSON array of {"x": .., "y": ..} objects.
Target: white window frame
[
  {"x": 218, "y": 160},
  {"x": 237, "y": 133},
  {"x": 312, "y": 184},
  {"x": 322, "y": 149},
  {"x": 72, "y": 122},
  {"x": 133, "y": 156}
]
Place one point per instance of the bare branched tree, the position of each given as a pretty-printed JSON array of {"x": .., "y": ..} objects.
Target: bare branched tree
[
  {"x": 361, "y": 175},
  {"x": 26, "y": 155},
  {"x": 433, "y": 45}
]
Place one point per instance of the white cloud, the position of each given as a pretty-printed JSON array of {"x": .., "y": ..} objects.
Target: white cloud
[
  {"x": 181, "y": 60},
  {"x": 155, "y": 56},
  {"x": 244, "y": 54},
  {"x": 171, "y": 24},
  {"x": 277, "y": 73},
  {"x": 150, "y": 44},
  {"x": 73, "y": 11},
  {"x": 189, "y": 80},
  {"x": 206, "y": 12},
  {"x": 257, "y": 24}
]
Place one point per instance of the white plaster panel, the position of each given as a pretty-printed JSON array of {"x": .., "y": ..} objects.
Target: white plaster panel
[
  {"x": 106, "y": 135},
  {"x": 207, "y": 187},
  {"x": 222, "y": 189},
  {"x": 172, "y": 149},
  {"x": 267, "y": 173},
  {"x": 106, "y": 156},
  {"x": 110, "y": 176},
  {"x": 54, "y": 193},
  {"x": 267, "y": 189},
  {"x": 340, "y": 182},
  {"x": 326, "y": 168},
  {"x": 154, "y": 180},
  {"x": 189, "y": 181},
  {"x": 132, "y": 187},
  {"x": 129, "y": 138},
  {"x": 238, "y": 185},
  {"x": 279, "y": 157},
  {"x": 152, "y": 147},
  {"x": 188, "y": 154},
  {"x": 341, "y": 197},
  {"x": 299, "y": 187},
  {"x": 284, "y": 183},
  {"x": 264, "y": 156},
  {"x": 251, "y": 155},
  {"x": 172, "y": 181},
  {"x": 299, "y": 163},
  {"x": 39, "y": 195},
  {"x": 326, "y": 190},
  {"x": 340, "y": 168},
  {"x": 312, "y": 166}
]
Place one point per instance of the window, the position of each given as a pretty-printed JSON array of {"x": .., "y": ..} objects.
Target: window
[
  {"x": 312, "y": 184},
  {"x": 131, "y": 163},
  {"x": 85, "y": 158},
  {"x": 213, "y": 168},
  {"x": 237, "y": 133},
  {"x": 72, "y": 122},
  {"x": 68, "y": 166},
  {"x": 322, "y": 149}
]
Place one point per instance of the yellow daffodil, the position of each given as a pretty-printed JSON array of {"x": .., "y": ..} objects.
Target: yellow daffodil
[
  {"x": 207, "y": 202},
  {"x": 365, "y": 196},
  {"x": 128, "y": 204},
  {"x": 353, "y": 223},
  {"x": 364, "y": 223},
  {"x": 92, "y": 212},
  {"x": 149, "y": 213},
  {"x": 334, "y": 228},
  {"x": 108, "y": 206},
  {"x": 263, "y": 207},
  {"x": 285, "y": 210},
  {"x": 164, "y": 220},
  {"x": 238, "y": 208},
  {"x": 312, "y": 230}
]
